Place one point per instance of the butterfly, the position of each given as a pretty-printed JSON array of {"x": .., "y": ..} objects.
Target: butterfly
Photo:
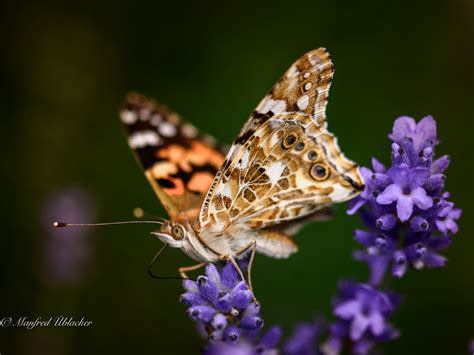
[{"x": 283, "y": 170}]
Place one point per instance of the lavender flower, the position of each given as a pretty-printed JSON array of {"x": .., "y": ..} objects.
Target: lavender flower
[
  {"x": 408, "y": 215},
  {"x": 409, "y": 220},
  {"x": 362, "y": 312},
  {"x": 222, "y": 304},
  {"x": 67, "y": 252}
]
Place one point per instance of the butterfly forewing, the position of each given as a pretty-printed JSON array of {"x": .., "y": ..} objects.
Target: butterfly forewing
[{"x": 179, "y": 162}]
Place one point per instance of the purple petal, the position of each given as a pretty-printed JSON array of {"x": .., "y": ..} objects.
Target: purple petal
[
  {"x": 347, "y": 310},
  {"x": 421, "y": 199},
  {"x": 404, "y": 207},
  {"x": 378, "y": 166},
  {"x": 403, "y": 126},
  {"x": 455, "y": 213},
  {"x": 358, "y": 327},
  {"x": 452, "y": 226},
  {"x": 377, "y": 323},
  {"x": 355, "y": 205},
  {"x": 425, "y": 130},
  {"x": 366, "y": 173},
  {"x": 444, "y": 208},
  {"x": 389, "y": 195},
  {"x": 381, "y": 180},
  {"x": 400, "y": 174}
]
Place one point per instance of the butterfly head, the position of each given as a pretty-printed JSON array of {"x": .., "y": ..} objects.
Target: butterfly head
[{"x": 172, "y": 234}]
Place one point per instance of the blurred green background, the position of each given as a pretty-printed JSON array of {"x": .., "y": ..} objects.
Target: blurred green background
[{"x": 65, "y": 70}]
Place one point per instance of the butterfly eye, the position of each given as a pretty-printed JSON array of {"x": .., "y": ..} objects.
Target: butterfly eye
[
  {"x": 178, "y": 232},
  {"x": 319, "y": 172},
  {"x": 290, "y": 140}
]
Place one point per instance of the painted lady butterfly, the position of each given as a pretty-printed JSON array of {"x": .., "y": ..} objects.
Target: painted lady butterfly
[{"x": 283, "y": 170}]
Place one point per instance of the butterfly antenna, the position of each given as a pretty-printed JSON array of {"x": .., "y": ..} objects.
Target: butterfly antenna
[{"x": 63, "y": 224}]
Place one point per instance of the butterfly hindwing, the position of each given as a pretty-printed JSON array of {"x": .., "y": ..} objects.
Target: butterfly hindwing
[{"x": 179, "y": 162}]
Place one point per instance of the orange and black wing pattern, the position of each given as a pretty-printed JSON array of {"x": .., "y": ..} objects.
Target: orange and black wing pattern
[{"x": 179, "y": 162}]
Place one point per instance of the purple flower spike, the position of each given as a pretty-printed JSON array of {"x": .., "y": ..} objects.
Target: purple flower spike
[
  {"x": 405, "y": 205},
  {"x": 222, "y": 304}
]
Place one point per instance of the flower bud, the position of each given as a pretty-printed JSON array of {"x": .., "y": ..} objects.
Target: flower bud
[
  {"x": 435, "y": 182},
  {"x": 419, "y": 224},
  {"x": 386, "y": 222}
]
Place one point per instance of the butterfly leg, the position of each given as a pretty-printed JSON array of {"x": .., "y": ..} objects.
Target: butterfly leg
[
  {"x": 253, "y": 247},
  {"x": 183, "y": 270}
]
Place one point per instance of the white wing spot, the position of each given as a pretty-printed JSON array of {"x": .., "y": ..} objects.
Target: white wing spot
[
  {"x": 275, "y": 171},
  {"x": 167, "y": 129},
  {"x": 128, "y": 117},
  {"x": 307, "y": 86},
  {"x": 144, "y": 138},
  {"x": 224, "y": 190},
  {"x": 306, "y": 75},
  {"x": 245, "y": 160},
  {"x": 274, "y": 139},
  {"x": 276, "y": 106},
  {"x": 303, "y": 102}
]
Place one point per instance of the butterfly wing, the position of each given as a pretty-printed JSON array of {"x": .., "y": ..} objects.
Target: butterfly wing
[
  {"x": 284, "y": 164},
  {"x": 179, "y": 162}
]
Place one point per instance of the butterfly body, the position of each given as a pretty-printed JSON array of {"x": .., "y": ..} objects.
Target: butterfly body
[{"x": 283, "y": 170}]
